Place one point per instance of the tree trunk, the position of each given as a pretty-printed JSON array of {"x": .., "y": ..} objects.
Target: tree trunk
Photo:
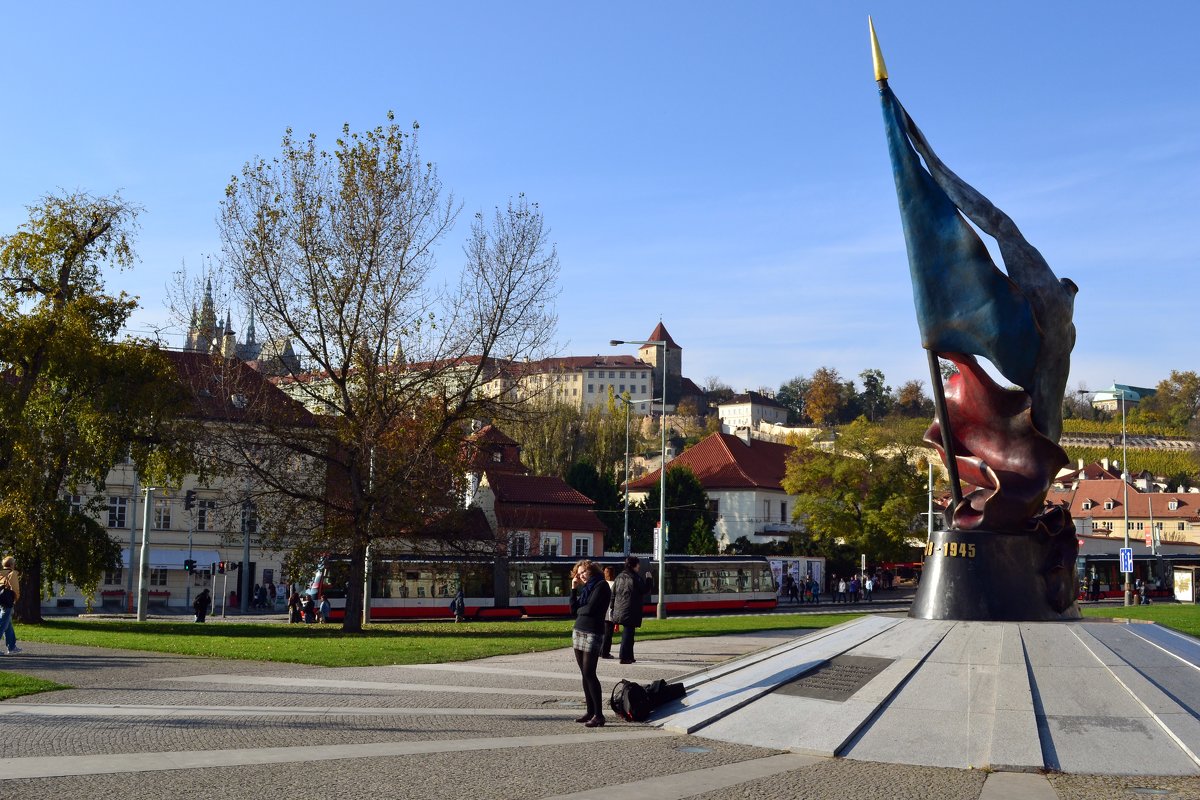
[
  {"x": 352, "y": 622},
  {"x": 29, "y": 608}
]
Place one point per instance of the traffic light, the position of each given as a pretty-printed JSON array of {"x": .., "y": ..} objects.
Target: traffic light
[
  {"x": 233, "y": 566},
  {"x": 189, "y": 499},
  {"x": 189, "y": 565},
  {"x": 221, "y": 567}
]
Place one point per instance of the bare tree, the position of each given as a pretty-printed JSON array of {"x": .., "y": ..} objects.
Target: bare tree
[{"x": 334, "y": 251}]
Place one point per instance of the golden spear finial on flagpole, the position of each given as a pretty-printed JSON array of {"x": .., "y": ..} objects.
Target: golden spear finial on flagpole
[{"x": 876, "y": 53}]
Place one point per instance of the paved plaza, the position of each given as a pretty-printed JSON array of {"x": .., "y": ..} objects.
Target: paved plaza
[{"x": 149, "y": 725}]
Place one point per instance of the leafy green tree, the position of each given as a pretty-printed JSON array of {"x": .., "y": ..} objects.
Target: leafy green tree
[
  {"x": 864, "y": 493},
  {"x": 75, "y": 400},
  {"x": 1175, "y": 401},
  {"x": 702, "y": 541},
  {"x": 687, "y": 505},
  {"x": 876, "y": 396},
  {"x": 792, "y": 395},
  {"x": 583, "y": 477}
]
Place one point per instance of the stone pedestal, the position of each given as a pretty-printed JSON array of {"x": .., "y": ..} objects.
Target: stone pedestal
[{"x": 998, "y": 576}]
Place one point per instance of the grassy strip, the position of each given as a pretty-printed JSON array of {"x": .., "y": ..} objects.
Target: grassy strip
[
  {"x": 407, "y": 643},
  {"x": 1180, "y": 617},
  {"x": 14, "y": 685}
]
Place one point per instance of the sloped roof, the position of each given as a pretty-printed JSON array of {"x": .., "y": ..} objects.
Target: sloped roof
[
  {"x": 548, "y": 518},
  {"x": 756, "y": 398},
  {"x": 229, "y": 390},
  {"x": 535, "y": 489},
  {"x": 1141, "y": 504},
  {"x": 492, "y": 435},
  {"x": 724, "y": 461},
  {"x": 659, "y": 334},
  {"x": 1094, "y": 471}
]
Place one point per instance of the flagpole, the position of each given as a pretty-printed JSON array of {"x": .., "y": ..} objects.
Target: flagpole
[
  {"x": 935, "y": 372},
  {"x": 943, "y": 418}
]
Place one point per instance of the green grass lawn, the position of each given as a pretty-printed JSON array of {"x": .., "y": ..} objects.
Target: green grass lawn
[
  {"x": 400, "y": 643},
  {"x": 1184, "y": 618},
  {"x": 14, "y": 685}
]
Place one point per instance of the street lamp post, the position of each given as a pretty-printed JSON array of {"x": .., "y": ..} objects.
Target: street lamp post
[
  {"x": 1125, "y": 497},
  {"x": 662, "y": 474}
]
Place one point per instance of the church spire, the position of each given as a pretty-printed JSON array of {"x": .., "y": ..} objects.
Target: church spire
[{"x": 250, "y": 328}]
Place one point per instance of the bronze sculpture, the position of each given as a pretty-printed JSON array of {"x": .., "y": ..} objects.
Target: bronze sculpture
[{"x": 1004, "y": 554}]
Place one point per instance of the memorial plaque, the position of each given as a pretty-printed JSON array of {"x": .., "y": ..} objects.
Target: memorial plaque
[{"x": 836, "y": 679}]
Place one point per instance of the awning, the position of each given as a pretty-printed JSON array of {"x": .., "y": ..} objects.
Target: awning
[{"x": 173, "y": 559}]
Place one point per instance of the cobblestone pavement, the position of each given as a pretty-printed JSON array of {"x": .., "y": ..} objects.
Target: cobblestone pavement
[{"x": 150, "y": 726}]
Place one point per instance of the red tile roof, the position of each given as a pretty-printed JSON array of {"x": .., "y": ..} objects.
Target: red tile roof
[
  {"x": 724, "y": 461},
  {"x": 659, "y": 334},
  {"x": 535, "y": 489},
  {"x": 548, "y": 518},
  {"x": 227, "y": 389}
]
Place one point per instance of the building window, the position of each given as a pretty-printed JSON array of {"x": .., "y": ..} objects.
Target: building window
[
  {"x": 714, "y": 507},
  {"x": 1173, "y": 505},
  {"x": 518, "y": 544},
  {"x": 162, "y": 515},
  {"x": 783, "y": 511},
  {"x": 551, "y": 542},
  {"x": 591, "y": 388},
  {"x": 622, "y": 373},
  {"x": 583, "y": 546},
  {"x": 1108, "y": 505},
  {"x": 590, "y": 375},
  {"x": 75, "y": 503},
  {"x": 114, "y": 577},
  {"x": 496, "y": 456},
  {"x": 766, "y": 510},
  {"x": 1181, "y": 526},
  {"x": 206, "y": 515},
  {"x": 116, "y": 511},
  {"x": 1138, "y": 526},
  {"x": 612, "y": 374},
  {"x": 622, "y": 389},
  {"x": 1087, "y": 505},
  {"x": 158, "y": 577}
]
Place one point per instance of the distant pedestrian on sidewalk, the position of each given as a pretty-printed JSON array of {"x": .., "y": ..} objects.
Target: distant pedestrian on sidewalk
[
  {"x": 868, "y": 588},
  {"x": 294, "y": 607},
  {"x": 10, "y": 593},
  {"x": 323, "y": 609},
  {"x": 201, "y": 605},
  {"x": 609, "y": 623},
  {"x": 629, "y": 595},
  {"x": 590, "y": 597}
]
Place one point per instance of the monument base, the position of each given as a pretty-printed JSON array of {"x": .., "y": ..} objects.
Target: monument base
[{"x": 998, "y": 576}]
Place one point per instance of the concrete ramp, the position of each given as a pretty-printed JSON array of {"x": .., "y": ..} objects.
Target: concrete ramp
[{"x": 1087, "y": 697}]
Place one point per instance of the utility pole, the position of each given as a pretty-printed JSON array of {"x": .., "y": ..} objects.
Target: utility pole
[{"x": 143, "y": 603}]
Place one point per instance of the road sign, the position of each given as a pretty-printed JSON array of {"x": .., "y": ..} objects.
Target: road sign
[{"x": 1126, "y": 559}]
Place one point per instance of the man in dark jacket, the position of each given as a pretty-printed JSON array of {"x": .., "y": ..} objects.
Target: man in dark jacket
[{"x": 629, "y": 593}]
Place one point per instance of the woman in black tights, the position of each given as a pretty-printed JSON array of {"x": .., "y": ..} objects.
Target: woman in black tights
[{"x": 590, "y": 598}]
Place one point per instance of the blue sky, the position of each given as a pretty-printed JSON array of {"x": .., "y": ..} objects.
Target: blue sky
[{"x": 719, "y": 165}]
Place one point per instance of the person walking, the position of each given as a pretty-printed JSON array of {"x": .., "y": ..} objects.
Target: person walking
[
  {"x": 323, "y": 609},
  {"x": 459, "y": 606},
  {"x": 10, "y": 593},
  {"x": 609, "y": 623},
  {"x": 629, "y": 595},
  {"x": 201, "y": 605},
  {"x": 590, "y": 597},
  {"x": 868, "y": 587},
  {"x": 294, "y": 607}
]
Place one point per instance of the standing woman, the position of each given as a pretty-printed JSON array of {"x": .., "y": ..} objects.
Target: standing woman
[{"x": 590, "y": 598}]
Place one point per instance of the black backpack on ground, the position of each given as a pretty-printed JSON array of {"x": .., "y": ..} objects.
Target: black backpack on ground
[
  {"x": 629, "y": 701},
  {"x": 661, "y": 692}
]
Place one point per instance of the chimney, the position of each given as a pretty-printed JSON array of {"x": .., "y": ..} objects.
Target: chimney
[
  {"x": 743, "y": 433},
  {"x": 1104, "y": 463}
]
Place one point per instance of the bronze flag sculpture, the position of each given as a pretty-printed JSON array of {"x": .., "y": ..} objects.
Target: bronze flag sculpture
[{"x": 1005, "y": 555}]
